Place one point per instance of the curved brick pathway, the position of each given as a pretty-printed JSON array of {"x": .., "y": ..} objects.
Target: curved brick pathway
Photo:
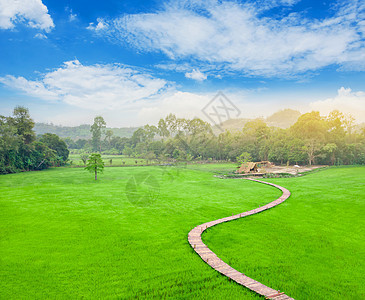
[{"x": 216, "y": 263}]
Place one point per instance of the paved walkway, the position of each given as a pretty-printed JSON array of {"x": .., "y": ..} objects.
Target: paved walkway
[{"x": 216, "y": 263}]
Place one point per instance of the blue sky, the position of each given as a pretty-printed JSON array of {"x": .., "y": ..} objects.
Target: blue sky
[{"x": 134, "y": 62}]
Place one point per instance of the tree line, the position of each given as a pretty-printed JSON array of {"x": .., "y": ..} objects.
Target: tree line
[
  {"x": 313, "y": 139},
  {"x": 78, "y": 132},
  {"x": 22, "y": 150}
]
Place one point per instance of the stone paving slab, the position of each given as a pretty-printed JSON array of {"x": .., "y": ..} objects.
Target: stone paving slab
[{"x": 194, "y": 238}]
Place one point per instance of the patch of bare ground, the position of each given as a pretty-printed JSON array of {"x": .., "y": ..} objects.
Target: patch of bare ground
[{"x": 289, "y": 169}]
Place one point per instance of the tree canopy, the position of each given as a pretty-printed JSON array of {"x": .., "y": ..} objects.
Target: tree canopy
[
  {"x": 20, "y": 150},
  {"x": 312, "y": 139},
  {"x": 97, "y": 129},
  {"x": 95, "y": 164}
]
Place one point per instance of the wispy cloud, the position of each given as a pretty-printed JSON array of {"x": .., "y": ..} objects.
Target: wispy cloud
[
  {"x": 196, "y": 75},
  {"x": 40, "y": 36},
  {"x": 31, "y": 12},
  {"x": 236, "y": 37},
  {"x": 95, "y": 87},
  {"x": 72, "y": 16},
  {"x": 346, "y": 101},
  {"x": 264, "y": 4}
]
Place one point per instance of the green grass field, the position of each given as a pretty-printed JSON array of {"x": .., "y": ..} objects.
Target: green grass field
[
  {"x": 125, "y": 161},
  {"x": 116, "y": 160},
  {"x": 63, "y": 235}
]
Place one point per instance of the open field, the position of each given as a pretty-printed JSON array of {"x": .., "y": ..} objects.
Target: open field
[
  {"x": 312, "y": 246},
  {"x": 63, "y": 235},
  {"x": 116, "y": 160}
]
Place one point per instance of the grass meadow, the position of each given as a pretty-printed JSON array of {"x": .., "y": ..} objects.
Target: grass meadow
[
  {"x": 63, "y": 235},
  {"x": 111, "y": 160}
]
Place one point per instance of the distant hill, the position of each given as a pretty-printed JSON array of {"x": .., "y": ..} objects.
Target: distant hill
[
  {"x": 282, "y": 119},
  {"x": 79, "y": 132}
]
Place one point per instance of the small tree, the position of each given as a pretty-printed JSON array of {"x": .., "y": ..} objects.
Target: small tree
[
  {"x": 95, "y": 164},
  {"x": 150, "y": 157},
  {"x": 84, "y": 158},
  {"x": 127, "y": 151},
  {"x": 244, "y": 158}
]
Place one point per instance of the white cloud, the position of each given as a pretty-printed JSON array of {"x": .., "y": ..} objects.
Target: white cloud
[
  {"x": 72, "y": 17},
  {"x": 264, "y": 4},
  {"x": 191, "y": 105},
  {"x": 289, "y": 2},
  {"x": 95, "y": 87},
  {"x": 182, "y": 104},
  {"x": 33, "y": 88},
  {"x": 150, "y": 110},
  {"x": 31, "y": 12},
  {"x": 236, "y": 37},
  {"x": 101, "y": 25},
  {"x": 127, "y": 96},
  {"x": 346, "y": 101},
  {"x": 40, "y": 36},
  {"x": 196, "y": 75}
]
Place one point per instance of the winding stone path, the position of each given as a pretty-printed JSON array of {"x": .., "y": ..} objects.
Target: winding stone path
[{"x": 216, "y": 263}]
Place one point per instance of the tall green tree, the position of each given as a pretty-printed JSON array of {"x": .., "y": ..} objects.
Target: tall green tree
[
  {"x": 10, "y": 143},
  {"x": 54, "y": 142},
  {"x": 163, "y": 129},
  {"x": 330, "y": 150},
  {"x": 97, "y": 130},
  {"x": 18, "y": 149},
  {"x": 108, "y": 135},
  {"x": 312, "y": 128},
  {"x": 255, "y": 137},
  {"x": 95, "y": 164},
  {"x": 24, "y": 124}
]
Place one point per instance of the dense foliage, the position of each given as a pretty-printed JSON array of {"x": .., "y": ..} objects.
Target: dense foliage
[
  {"x": 312, "y": 139},
  {"x": 20, "y": 150}
]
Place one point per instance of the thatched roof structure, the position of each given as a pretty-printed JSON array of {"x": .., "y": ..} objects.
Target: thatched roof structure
[{"x": 249, "y": 167}]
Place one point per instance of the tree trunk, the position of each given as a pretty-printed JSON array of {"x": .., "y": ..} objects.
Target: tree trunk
[
  {"x": 96, "y": 174},
  {"x": 333, "y": 159}
]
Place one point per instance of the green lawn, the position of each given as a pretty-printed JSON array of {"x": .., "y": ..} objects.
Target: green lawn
[
  {"x": 116, "y": 160},
  {"x": 63, "y": 235},
  {"x": 124, "y": 160}
]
